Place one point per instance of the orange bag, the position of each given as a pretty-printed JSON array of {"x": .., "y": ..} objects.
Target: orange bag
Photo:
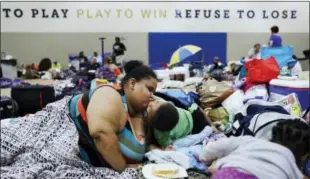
[{"x": 262, "y": 71}]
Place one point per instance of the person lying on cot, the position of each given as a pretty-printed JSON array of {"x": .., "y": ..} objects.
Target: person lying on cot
[
  {"x": 254, "y": 158},
  {"x": 169, "y": 123},
  {"x": 109, "y": 123}
]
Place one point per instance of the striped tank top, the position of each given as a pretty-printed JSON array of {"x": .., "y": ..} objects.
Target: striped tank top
[{"x": 131, "y": 149}]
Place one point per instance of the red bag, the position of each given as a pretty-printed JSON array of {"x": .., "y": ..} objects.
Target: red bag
[{"x": 262, "y": 71}]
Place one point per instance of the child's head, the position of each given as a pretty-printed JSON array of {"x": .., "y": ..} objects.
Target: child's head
[
  {"x": 108, "y": 60},
  {"x": 293, "y": 134},
  {"x": 164, "y": 115}
]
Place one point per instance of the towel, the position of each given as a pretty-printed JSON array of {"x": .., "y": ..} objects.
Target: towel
[
  {"x": 160, "y": 156},
  {"x": 192, "y": 140}
]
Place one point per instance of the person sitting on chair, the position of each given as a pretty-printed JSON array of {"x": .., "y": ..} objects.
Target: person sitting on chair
[{"x": 98, "y": 58}]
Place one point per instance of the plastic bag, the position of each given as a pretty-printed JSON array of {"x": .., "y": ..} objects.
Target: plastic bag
[
  {"x": 262, "y": 71},
  {"x": 281, "y": 54},
  {"x": 256, "y": 92}
]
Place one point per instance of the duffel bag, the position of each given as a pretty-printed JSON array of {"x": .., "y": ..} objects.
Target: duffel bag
[{"x": 32, "y": 98}]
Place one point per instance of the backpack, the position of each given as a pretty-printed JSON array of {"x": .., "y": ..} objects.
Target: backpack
[
  {"x": 259, "y": 120},
  {"x": 9, "y": 108},
  {"x": 179, "y": 98}
]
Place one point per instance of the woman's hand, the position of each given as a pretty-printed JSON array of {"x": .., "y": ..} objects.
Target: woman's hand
[{"x": 133, "y": 165}]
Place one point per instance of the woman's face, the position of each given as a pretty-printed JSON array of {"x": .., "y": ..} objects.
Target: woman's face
[{"x": 142, "y": 92}]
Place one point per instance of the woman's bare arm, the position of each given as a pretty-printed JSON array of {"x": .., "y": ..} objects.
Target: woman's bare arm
[{"x": 105, "y": 115}]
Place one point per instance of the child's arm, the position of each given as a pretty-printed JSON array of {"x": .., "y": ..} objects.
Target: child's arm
[
  {"x": 208, "y": 120},
  {"x": 219, "y": 149},
  {"x": 162, "y": 138},
  {"x": 153, "y": 147}
]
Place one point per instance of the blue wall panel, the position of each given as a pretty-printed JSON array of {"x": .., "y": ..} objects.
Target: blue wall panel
[{"x": 162, "y": 45}]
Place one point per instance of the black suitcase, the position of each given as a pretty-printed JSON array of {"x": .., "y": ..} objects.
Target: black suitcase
[{"x": 32, "y": 98}]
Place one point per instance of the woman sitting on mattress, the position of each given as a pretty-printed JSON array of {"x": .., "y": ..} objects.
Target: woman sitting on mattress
[
  {"x": 114, "y": 119},
  {"x": 109, "y": 124}
]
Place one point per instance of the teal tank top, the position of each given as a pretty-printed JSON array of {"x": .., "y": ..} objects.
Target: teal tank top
[{"x": 132, "y": 150}]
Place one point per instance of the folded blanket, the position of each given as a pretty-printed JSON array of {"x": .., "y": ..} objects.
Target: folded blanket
[
  {"x": 192, "y": 140},
  {"x": 45, "y": 145},
  {"x": 193, "y": 152},
  {"x": 160, "y": 156},
  {"x": 185, "y": 157}
]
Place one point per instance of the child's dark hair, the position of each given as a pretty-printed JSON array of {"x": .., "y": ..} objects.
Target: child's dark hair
[
  {"x": 135, "y": 69},
  {"x": 274, "y": 29},
  {"x": 166, "y": 117},
  {"x": 293, "y": 134}
]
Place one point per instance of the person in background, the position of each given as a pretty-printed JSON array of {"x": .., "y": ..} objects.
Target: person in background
[
  {"x": 118, "y": 51},
  {"x": 82, "y": 59},
  {"x": 113, "y": 68},
  {"x": 275, "y": 39},
  {"x": 216, "y": 69},
  {"x": 56, "y": 65},
  {"x": 93, "y": 64},
  {"x": 35, "y": 67},
  {"x": 255, "y": 52},
  {"x": 98, "y": 58},
  {"x": 254, "y": 158},
  {"x": 216, "y": 64},
  {"x": 30, "y": 73}
]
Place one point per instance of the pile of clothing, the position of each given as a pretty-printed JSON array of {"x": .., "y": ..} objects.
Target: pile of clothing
[{"x": 251, "y": 105}]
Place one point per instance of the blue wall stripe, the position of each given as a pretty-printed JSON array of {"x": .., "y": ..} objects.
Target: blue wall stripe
[{"x": 162, "y": 45}]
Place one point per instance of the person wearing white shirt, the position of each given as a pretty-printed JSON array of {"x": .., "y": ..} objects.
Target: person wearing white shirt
[{"x": 254, "y": 53}]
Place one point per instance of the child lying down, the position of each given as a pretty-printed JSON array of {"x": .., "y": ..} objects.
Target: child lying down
[
  {"x": 253, "y": 158},
  {"x": 170, "y": 123}
]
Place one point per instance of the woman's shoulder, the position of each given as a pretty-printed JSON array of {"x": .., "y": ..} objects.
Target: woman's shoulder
[
  {"x": 106, "y": 104},
  {"x": 106, "y": 97},
  {"x": 107, "y": 92}
]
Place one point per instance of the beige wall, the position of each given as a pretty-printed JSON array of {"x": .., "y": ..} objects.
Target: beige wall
[
  {"x": 32, "y": 47},
  {"x": 238, "y": 44}
]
